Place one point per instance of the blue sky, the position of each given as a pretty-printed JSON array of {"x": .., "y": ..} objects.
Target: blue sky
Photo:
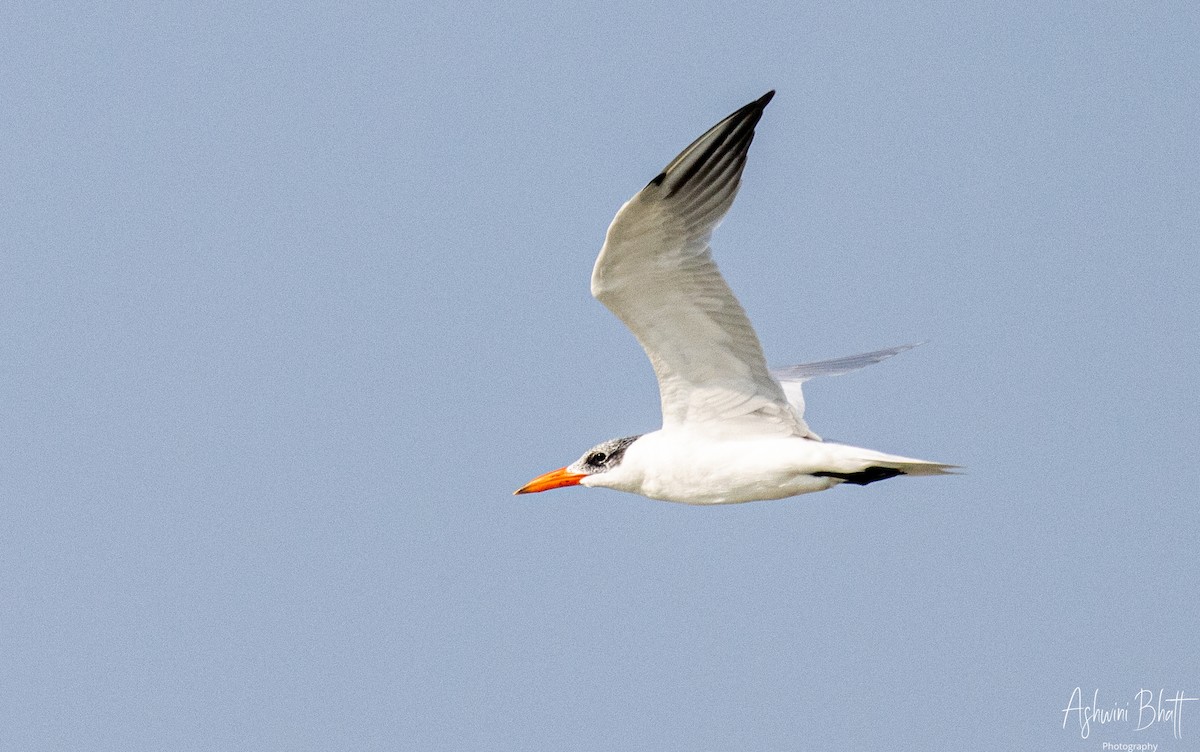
[{"x": 292, "y": 297}]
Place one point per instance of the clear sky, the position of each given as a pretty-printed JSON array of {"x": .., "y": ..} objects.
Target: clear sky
[{"x": 292, "y": 297}]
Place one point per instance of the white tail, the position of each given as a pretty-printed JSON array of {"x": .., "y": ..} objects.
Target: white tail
[{"x": 862, "y": 466}]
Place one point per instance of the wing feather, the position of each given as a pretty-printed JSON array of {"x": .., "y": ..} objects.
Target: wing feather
[
  {"x": 792, "y": 378},
  {"x": 656, "y": 273}
]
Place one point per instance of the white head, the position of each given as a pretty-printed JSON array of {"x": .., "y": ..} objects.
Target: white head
[{"x": 599, "y": 466}]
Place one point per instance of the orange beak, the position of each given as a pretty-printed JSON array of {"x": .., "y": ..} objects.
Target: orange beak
[{"x": 553, "y": 479}]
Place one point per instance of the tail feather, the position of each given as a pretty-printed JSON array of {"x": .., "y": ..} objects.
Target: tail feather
[
  {"x": 874, "y": 473},
  {"x": 921, "y": 467},
  {"x": 862, "y": 466}
]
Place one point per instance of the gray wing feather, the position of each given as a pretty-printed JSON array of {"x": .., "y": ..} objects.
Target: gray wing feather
[
  {"x": 656, "y": 273},
  {"x": 837, "y": 366},
  {"x": 792, "y": 378}
]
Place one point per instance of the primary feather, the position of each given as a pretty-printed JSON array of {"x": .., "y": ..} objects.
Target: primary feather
[{"x": 656, "y": 273}]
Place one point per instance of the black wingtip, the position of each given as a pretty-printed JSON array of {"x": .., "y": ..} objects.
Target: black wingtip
[
  {"x": 863, "y": 477},
  {"x": 739, "y": 125}
]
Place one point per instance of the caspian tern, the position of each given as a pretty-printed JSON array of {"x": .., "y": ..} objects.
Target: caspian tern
[{"x": 733, "y": 431}]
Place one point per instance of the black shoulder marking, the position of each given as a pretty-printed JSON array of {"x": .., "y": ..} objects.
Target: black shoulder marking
[
  {"x": 863, "y": 477},
  {"x": 658, "y": 180}
]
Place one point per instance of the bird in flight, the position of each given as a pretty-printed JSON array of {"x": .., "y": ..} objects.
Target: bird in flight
[{"x": 733, "y": 430}]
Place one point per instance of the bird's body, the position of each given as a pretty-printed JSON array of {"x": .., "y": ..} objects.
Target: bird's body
[
  {"x": 692, "y": 468},
  {"x": 733, "y": 431}
]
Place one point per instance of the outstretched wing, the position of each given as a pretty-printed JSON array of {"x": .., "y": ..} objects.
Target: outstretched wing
[
  {"x": 792, "y": 378},
  {"x": 656, "y": 273}
]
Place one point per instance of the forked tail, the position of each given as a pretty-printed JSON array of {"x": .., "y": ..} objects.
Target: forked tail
[{"x": 862, "y": 466}]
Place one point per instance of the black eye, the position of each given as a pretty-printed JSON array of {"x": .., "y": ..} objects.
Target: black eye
[{"x": 597, "y": 458}]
